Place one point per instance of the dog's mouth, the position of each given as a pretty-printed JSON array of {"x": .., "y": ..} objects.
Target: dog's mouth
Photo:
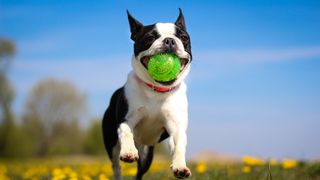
[
  {"x": 145, "y": 61},
  {"x": 183, "y": 63}
]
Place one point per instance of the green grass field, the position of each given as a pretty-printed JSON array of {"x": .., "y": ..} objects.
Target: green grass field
[{"x": 249, "y": 168}]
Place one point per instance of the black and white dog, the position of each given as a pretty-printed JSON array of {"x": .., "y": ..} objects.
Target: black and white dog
[{"x": 144, "y": 112}]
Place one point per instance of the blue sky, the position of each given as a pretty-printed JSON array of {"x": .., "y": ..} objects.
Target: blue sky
[{"x": 254, "y": 87}]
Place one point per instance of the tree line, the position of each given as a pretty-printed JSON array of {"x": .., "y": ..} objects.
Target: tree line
[{"x": 49, "y": 124}]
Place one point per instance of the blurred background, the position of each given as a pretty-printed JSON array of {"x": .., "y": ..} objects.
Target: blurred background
[{"x": 254, "y": 87}]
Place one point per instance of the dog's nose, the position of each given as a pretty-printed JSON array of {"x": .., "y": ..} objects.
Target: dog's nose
[{"x": 169, "y": 44}]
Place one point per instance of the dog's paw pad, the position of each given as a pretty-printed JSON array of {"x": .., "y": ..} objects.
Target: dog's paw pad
[
  {"x": 129, "y": 157},
  {"x": 181, "y": 173}
]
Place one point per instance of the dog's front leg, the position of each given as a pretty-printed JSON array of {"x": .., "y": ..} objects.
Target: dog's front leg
[
  {"x": 179, "y": 166},
  {"x": 128, "y": 151},
  {"x": 178, "y": 143}
]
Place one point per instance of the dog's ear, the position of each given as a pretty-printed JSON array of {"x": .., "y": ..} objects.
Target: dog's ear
[
  {"x": 135, "y": 26},
  {"x": 180, "y": 21}
]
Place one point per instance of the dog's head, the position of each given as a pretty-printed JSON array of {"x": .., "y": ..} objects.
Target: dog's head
[{"x": 160, "y": 38}]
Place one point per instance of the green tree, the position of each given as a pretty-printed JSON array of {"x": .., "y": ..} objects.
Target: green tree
[
  {"x": 51, "y": 118},
  {"x": 7, "y": 51},
  {"x": 93, "y": 142}
]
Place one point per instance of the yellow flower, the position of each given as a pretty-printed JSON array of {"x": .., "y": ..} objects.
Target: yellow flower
[
  {"x": 103, "y": 177},
  {"x": 3, "y": 177},
  {"x": 201, "y": 167},
  {"x": 58, "y": 174},
  {"x": 132, "y": 171},
  {"x": 3, "y": 169},
  {"x": 157, "y": 167},
  {"x": 59, "y": 177},
  {"x": 289, "y": 163},
  {"x": 252, "y": 161},
  {"x": 86, "y": 177},
  {"x": 73, "y": 175},
  {"x": 246, "y": 169},
  {"x": 67, "y": 170}
]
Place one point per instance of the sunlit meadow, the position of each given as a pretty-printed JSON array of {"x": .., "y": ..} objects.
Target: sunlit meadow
[{"x": 247, "y": 168}]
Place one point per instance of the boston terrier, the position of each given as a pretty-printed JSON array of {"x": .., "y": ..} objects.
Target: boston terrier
[{"x": 144, "y": 111}]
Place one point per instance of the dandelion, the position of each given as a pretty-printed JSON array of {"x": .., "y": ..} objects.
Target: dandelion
[
  {"x": 86, "y": 177},
  {"x": 3, "y": 177},
  {"x": 201, "y": 167},
  {"x": 157, "y": 167},
  {"x": 246, "y": 169},
  {"x": 3, "y": 169},
  {"x": 252, "y": 161},
  {"x": 103, "y": 177},
  {"x": 58, "y": 174},
  {"x": 289, "y": 164},
  {"x": 73, "y": 175},
  {"x": 132, "y": 171},
  {"x": 57, "y": 171}
]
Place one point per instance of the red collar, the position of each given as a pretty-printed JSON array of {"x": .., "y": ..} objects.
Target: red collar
[
  {"x": 161, "y": 89},
  {"x": 158, "y": 88}
]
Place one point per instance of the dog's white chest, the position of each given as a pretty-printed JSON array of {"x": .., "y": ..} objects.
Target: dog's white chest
[
  {"x": 151, "y": 111},
  {"x": 148, "y": 130},
  {"x": 151, "y": 125}
]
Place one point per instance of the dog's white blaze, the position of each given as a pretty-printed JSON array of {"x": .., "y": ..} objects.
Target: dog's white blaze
[{"x": 165, "y": 29}]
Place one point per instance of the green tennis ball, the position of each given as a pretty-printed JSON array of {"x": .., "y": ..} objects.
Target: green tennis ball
[{"x": 164, "y": 67}]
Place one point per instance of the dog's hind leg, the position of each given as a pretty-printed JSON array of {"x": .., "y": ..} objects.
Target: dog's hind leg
[
  {"x": 145, "y": 160},
  {"x": 116, "y": 162}
]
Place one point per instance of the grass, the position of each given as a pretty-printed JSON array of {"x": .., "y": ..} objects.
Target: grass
[{"x": 73, "y": 168}]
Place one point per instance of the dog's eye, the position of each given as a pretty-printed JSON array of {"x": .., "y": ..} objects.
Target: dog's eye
[
  {"x": 150, "y": 38},
  {"x": 184, "y": 38}
]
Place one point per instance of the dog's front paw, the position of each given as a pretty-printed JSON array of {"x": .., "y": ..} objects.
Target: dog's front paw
[
  {"x": 129, "y": 156},
  {"x": 181, "y": 172}
]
